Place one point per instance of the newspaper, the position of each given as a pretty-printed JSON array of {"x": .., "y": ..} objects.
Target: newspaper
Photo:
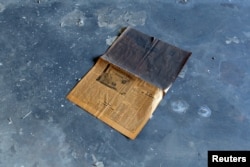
[{"x": 128, "y": 82}]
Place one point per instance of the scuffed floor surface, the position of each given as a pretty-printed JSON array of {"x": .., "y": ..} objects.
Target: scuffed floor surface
[{"x": 46, "y": 46}]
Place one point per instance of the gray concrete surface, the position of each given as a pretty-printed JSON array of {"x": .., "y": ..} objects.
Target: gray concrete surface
[{"x": 46, "y": 46}]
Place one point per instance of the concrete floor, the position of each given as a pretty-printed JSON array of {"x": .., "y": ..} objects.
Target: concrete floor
[{"x": 46, "y": 46}]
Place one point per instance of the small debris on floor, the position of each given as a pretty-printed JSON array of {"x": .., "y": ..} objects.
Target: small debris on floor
[
  {"x": 179, "y": 106},
  {"x": 204, "y": 111},
  {"x": 232, "y": 40},
  {"x": 26, "y": 115},
  {"x": 110, "y": 40},
  {"x": 182, "y": 1},
  {"x": 10, "y": 121},
  {"x": 74, "y": 18},
  {"x": 97, "y": 163}
]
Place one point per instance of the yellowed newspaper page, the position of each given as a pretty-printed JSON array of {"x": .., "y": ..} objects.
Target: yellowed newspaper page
[{"x": 118, "y": 98}]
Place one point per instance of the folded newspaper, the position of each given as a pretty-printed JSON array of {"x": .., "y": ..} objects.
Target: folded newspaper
[{"x": 128, "y": 82}]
